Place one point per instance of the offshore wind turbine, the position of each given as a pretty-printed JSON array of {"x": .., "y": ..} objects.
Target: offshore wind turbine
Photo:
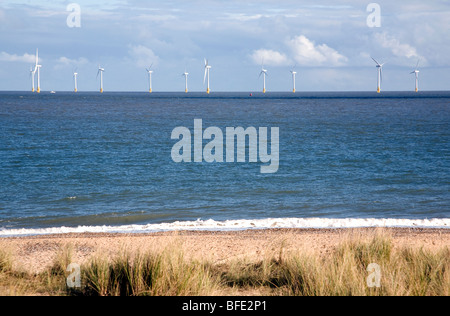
[
  {"x": 416, "y": 72},
  {"x": 100, "y": 71},
  {"x": 32, "y": 72},
  {"x": 149, "y": 71},
  {"x": 75, "y": 74},
  {"x": 37, "y": 68},
  {"x": 380, "y": 74},
  {"x": 293, "y": 72},
  {"x": 186, "y": 80},
  {"x": 207, "y": 69},
  {"x": 264, "y": 73}
]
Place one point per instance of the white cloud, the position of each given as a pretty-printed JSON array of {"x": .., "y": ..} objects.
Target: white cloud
[
  {"x": 143, "y": 56},
  {"x": 269, "y": 57},
  {"x": 307, "y": 53},
  {"x": 155, "y": 17},
  {"x": 67, "y": 61},
  {"x": 304, "y": 52},
  {"x": 25, "y": 58},
  {"x": 243, "y": 17},
  {"x": 397, "y": 48},
  {"x": 63, "y": 62}
]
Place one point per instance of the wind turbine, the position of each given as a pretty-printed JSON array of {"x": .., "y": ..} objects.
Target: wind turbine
[
  {"x": 207, "y": 69},
  {"x": 293, "y": 72},
  {"x": 380, "y": 74},
  {"x": 264, "y": 73},
  {"x": 186, "y": 79},
  {"x": 75, "y": 74},
  {"x": 100, "y": 71},
  {"x": 416, "y": 72},
  {"x": 32, "y": 72},
  {"x": 37, "y": 68},
  {"x": 149, "y": 78}
]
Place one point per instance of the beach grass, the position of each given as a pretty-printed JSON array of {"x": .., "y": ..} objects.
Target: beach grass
[
  {"x": 361, "y": 265},
  {"x": 155, "y": 274}
]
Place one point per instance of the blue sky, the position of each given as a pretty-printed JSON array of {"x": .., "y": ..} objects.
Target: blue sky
[{"x": 329, "y": 42}]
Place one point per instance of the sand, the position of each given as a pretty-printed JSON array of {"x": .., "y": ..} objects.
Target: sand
[{"x": 36, "y": 253}]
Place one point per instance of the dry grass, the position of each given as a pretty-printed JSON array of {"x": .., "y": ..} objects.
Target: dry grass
[{"x": 404, "y": 271}]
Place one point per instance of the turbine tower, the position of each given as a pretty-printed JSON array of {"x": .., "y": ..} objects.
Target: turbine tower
[
  {"x": 38, "y": 90},
  {"x": 149, "y": 71},
  {"x": 416, "y": 72},
  {"x": 207, "y": 69},
  {"x": 32, "y": 72},
  {"x": 75, "y": 74},
  {"x": 380, "y": 74},
  {"x": 100, "y": 71},
  {"x": 293, "y": 72},
  {"x": 186, "y": 79},
  {"x": 37, "y": 68},
  {"x": 264, "y": 73}
]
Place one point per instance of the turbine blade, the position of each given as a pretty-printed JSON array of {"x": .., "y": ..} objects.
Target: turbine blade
[
  {"x": 375, "y": 61},
  {"x": 417, "y": 66}
]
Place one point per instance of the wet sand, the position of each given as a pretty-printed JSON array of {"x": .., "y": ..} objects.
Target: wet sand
[{"x": 36, "y": 253}]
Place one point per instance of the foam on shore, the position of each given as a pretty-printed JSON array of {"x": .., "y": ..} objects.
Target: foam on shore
[{"x": 212, "y": 225}]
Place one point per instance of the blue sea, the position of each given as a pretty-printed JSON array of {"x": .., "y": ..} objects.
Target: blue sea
[{"x": 77, "y": 162}]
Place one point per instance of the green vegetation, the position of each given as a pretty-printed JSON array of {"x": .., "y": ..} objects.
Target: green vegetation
[{"x": 405, "y": 271}]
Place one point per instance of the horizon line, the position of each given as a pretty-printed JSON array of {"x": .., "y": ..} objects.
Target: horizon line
[{"x": 220, "y": 91}]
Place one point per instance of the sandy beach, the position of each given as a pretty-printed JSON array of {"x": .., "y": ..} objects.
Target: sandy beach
[{"x": 36, "y": 253}]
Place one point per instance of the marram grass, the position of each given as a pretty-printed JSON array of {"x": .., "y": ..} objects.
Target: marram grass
[{"x": 403, "y": 271}]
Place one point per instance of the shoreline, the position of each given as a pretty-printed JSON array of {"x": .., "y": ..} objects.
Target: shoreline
[
  {"x": 234, "y": 225},
  {"x": 36, "y": 253}
]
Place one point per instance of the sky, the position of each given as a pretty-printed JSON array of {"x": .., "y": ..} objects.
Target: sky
[{"x": 328, "y": 43}]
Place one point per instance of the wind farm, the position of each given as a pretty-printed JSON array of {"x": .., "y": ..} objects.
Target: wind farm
[{"x": 34, "y": 74}]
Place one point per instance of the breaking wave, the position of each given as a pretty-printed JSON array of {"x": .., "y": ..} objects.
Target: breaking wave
[{"x": 230, "y": 225}]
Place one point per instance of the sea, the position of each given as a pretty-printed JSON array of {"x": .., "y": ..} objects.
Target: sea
[{"x": 91, "y": 162}]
